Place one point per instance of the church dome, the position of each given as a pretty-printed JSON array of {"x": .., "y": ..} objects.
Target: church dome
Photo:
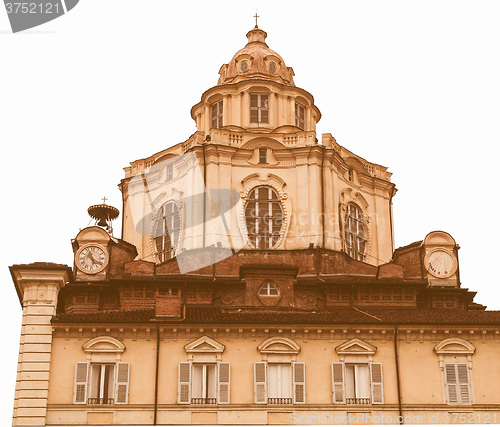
[{"x": 256, "y": 61}]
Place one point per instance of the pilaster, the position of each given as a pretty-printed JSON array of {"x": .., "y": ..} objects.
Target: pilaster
[{"x": 38, "y": 287}]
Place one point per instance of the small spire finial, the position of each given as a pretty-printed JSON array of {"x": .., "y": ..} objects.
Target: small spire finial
[
  {"x": 104, "y": 199},
  {"x": 256, "y": 16}
]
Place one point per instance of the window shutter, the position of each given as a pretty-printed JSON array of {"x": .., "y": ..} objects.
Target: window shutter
[
  {"x": 463, "y": 382},
  {"x": 223, "y": 386},
  {"x": 377, "y": 383},
  {"x": 260, "y": 382},
  {"x": 450, "y": 376},
  {"x": 299, "y": 382},
  {"x": 184, "y": 391},
  {"x": 338, "y": 382},
  {"x": 122, "y": 375},
  {"x": 81, "y": 374}
]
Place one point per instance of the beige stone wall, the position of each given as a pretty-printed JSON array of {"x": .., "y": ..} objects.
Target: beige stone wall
[{"x": 421, "y": 378}]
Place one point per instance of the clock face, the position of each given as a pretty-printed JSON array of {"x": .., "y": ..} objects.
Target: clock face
[
  {"x": 91, "y": 259},
  {"x": 440, "y": 264}
]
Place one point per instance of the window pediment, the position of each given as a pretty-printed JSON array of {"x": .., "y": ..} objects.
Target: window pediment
[
  {"x": 454, "y": 346},
  {"x": 278, "y": 345},
  {"x": 103, "y": 344},
  {"x": 103, "y": 349},
  {"x": 204, "y": 348},
  {"x": 349, "y": 195},
  {"x": 356, "y": 347}
]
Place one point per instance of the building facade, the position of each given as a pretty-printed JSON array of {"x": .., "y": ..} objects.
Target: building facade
[{"x": 255, "y": 282}]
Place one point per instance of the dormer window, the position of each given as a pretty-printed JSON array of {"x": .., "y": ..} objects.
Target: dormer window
[
  {"x": 268, "y": 290},
  {"x": 259, "y": 108},
  {"x": 300, "y": 116},
  {"x": 217, "y": 115}
]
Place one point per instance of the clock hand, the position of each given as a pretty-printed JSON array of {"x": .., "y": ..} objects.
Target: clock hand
[{"x": 94, "y": 261}]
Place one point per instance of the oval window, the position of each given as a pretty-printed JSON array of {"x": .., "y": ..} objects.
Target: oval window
[{"x": 244, "y": 66}]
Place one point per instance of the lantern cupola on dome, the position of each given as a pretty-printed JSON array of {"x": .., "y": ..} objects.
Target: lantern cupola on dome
[{"x": 256, "y": 61}]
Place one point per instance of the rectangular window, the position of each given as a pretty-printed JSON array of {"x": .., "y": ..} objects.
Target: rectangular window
[
  {"x": 204, "y": 383},
  {"x": 357, "y": 383},
  {"x": 170, "y": 171},
  {"x": 101, "y": 383},
  {"x": 279, "y": 383},
  {"x": 300, "y": 116},
  {"x": 259, "y": 108},
  {"x": 217, "y": 115},
  {"x": 262, "y": 155},
  {"x": 457, "y": 383}
]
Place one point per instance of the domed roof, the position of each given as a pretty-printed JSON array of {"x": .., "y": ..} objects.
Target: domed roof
[{"x": 256, "y": 61}]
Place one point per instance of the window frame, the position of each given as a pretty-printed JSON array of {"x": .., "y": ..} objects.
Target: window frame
[
  {"x": 259, "y": 109},
  {"x": 355, "y": 232},
  {"x": 456, "y": 352},
  {"x": 217, "y": 116},
  {"x": 222, "y": 383},
  {"x": 339, "y": 383},
  {"x": 269, "y": 286},
  {"x": 268, "y": 211},
  {"x": 300, "y": 115},
  {"x": 164, "y": 248},
  {"x": 262, "y": 383},
  {"x": 84, "y": 373},
  {"x": 262, "y": 156},
  {"x": 204, "y": 351}
]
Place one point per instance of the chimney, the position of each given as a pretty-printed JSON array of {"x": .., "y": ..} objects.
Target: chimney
[{"x": 168, "y": 303}]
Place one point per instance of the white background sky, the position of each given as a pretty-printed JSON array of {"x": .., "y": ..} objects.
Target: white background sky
[{"x": 412, "y": 85}]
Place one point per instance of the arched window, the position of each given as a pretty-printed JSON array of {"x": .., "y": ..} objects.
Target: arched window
[
  {"x": 355, "y": 232},
  {"x": 166, "y": 233},
  {"x": 264, "y": 217}
]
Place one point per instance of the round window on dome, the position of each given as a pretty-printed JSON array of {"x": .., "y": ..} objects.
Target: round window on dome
[
  {"x": 244, "y": 66},
  {"x": 272, "y": 67}
]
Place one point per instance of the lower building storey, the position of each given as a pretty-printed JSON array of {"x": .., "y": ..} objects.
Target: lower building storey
[{"x": 262, "y": 415}]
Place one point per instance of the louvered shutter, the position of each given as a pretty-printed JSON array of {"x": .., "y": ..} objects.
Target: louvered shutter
[
  {"x": 463, "y": 382},
  {"x": 122, "y": 376},
  {"x": 299, "y": 382},
  {"x": 81, "y": 375},
  {"x": 450, "y": 376},
  {"x": 260, "y": 382},
  {"x": 338, "y": 383},
  {"x": 377, "y": 383},
  {"x": 184, "y": 391},
  {"x": 223, "y": 386}
]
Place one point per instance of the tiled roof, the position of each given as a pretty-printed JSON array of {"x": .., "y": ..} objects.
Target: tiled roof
[
  {"x": 343, "y": 315},
  {"x": 127, "y": 316},
  {"x": 411, "y": 245},
  {"x": 41, "y": 265}
]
